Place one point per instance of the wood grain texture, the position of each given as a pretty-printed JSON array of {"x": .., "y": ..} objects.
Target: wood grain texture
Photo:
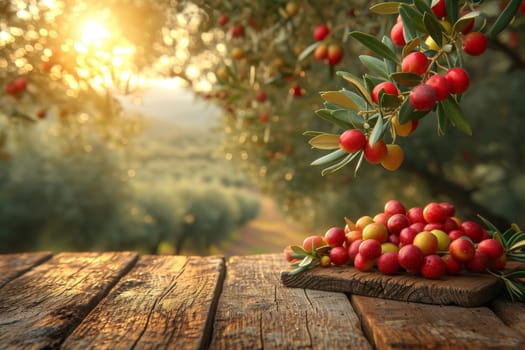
[
  {"x": 402, "y": 325},
  {"x": 511, "y": 313},
  {"x": 41, "y": 307},
  {"x": 256, "y": 311},
  {"x": 165, "y": 302},
  {"x": 468, "y": 290},
  {"x": 14, "y": 265}
]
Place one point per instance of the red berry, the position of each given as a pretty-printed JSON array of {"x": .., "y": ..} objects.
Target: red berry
[
  {"x": 433, "y": 212},
  {"x": 394, "y": 206},
  {"x": 407, "y": 235},
  {"x": 396, "y": 223},
  {"x": 479, "y": 263},
  {"x": 388, "y": 264},
  {"x": 415, "y": 62},
  {"x": 321, "y": 32},
  {"x": 452, "y": 266},
  {"x": 397, "y": 34},
  {"x": 338, "y": 256},
  {"x": 440, "y": 9},
  {"x": 433, "y": 267},
  {"x": 335, "y": 236},
  {"x": 462, "y": 249},
  {"x": 375, "y": 154},
  {"x": 472, "y": 230},
  {"x": 352, "y": 140},
  {"x": 363, "y": 264},
  {"x": 237, "y": 31},
  {"x": 370, "y": 248},
  {"x": 335, "y": 54},
  {"x": 415, "y": 214},
  {"x": 410, "y": 258},
  {"x": 475, "y": 43},
  {"x": 458, "y": 79},
  {"x": 223, "y": 20},
  {"x": 387, "y": 86},
  {"x": 423, "y": 97},
  {"x": 353, "y": 250},
  {"x": 491, "y": 248},
  {"x": 441, "y": 86},
  {"x": 261, "y": 96}
]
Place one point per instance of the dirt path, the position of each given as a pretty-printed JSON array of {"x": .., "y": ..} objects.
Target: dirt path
[{"x": 270, "y": 232}]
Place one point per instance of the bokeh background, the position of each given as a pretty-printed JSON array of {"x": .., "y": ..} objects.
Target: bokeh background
[{"x": 141, "y": 125}]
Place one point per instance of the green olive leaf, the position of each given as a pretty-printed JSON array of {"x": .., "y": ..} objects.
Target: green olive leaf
[
  {"x": 505, "y": 17},
  {"x": 374, "y": 65},
  {"x": 307, "y": 51},
  {"x": 329, "y": 158},
  {"x": 325, "y": 141},
  {"x": 386, "y": 8},
  {"x": 453, "y": 112},
  {"x": 375, "y": 45}
]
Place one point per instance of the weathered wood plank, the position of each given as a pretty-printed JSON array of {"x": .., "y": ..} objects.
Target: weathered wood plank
[
  {"x": 14, "y": 265},
  {"x": 512, "y": 314},
  {"x": 165, "y": 302},
  {"x": 403, "y": 325},
  {"x": 256, "y": 311},
  {"x": 41, "y": 307},
  {"x": 466, "y": 290}
]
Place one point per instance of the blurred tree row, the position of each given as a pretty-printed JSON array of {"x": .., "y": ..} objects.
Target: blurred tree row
[
  {"x": 257, "y": 61},
  {"x": 113, "y": 199}
]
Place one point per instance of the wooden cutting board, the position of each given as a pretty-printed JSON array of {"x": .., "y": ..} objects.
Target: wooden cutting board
[{"x": 467, "y": 290}]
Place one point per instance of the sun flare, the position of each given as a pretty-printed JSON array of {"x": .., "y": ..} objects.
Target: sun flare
[{"x": 94, "y": 33}]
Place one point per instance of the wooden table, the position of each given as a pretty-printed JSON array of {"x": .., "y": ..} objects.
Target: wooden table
[{"x": 119, "y": 300}]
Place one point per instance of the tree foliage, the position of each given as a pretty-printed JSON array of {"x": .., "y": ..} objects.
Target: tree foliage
[{"x": 259, "y": 62}]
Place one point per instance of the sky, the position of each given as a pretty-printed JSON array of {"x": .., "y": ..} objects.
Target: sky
[{"x": 175, "y": 104}]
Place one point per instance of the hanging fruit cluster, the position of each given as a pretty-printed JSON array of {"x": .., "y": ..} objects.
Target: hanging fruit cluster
[
  {"x": 429, "y": 241},
  {"x": 416, "y": 70}
]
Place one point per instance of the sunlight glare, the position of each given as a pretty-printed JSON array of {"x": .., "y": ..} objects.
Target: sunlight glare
[{"x": 94, "y": 33}]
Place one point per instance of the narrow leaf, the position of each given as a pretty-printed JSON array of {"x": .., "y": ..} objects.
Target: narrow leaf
[
  {"x": 442, "y": 120},
  {"x": 325, "y": 141},
  {"x": 349, "y": 116},
  {"x": 327, "y": 114},
  {"x": 346, "y": 160},
  {"x": 489, "y": 224},
  {"x": 433, "y": 27},
  {"x": 298, "y": 250},
  {"x": 307, "y": 260},
  {"x": 358, "y": 100},
  {"x": 455, "y": 115},
  {"x": 378, "y": 131},
  {"x": 406, "y": 79},
  {"x": 505, "y": 17},
  {"x": 306, "y": 52},
  {"x": 408, "y": 113},
  {"x": 423, "y": 7},
  {"x": 464, "y": 21},
  {"x": 390, "y": 66},
  {"x": 452, "y": 10},
  {"x": 313, "y": 133},
  {"x": 339, "y": 98},
  {"x": 375, "y": 45},
  {"x": 329, "y": 158},
  {"x": 374, "y": 65},
  {"x": 410, "y": 46},
  {"x": 386, "y": 8},
  {"x": 389, "y": 101},
  {"x": 359, "y": 162},
  {"x": 357, "y": 84}
]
